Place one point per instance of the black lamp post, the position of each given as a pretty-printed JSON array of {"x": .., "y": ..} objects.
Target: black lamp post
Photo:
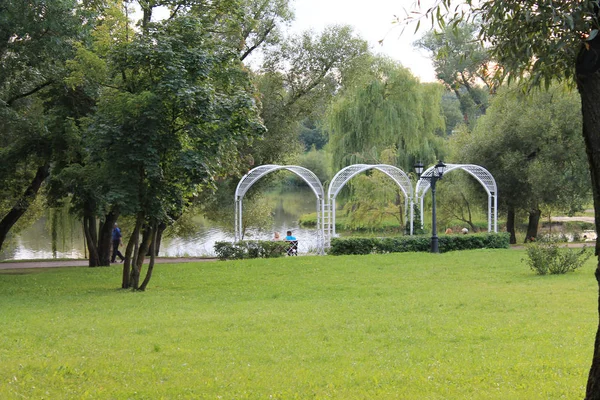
[{"x": 435, "y": 176}]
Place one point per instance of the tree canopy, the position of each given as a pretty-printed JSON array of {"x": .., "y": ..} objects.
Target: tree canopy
[
  {"x": 386, "y": 108},
  {"x": 36, "y": 40},
  {"x": 126, "y": 121},
  {"x": 532, "y": 146},
  {"x": 463, "y": 64}
]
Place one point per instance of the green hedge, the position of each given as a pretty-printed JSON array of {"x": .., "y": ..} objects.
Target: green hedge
[
  {"x": 250, "y": 249},
  {"x": 341, "y": 246}
]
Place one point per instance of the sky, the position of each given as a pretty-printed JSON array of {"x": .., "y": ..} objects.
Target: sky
[{"x": 372, "y": 20}]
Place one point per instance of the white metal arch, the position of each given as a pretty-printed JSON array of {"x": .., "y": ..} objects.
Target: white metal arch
[
  {"x": 255, "y": 174},
  {"x": 482, "y": 175},
  {"x": 344, "y": 175}
]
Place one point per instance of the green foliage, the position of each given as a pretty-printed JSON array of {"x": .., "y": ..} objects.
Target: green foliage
[
  {"x": 220, "y": 209},
  {"x": 452, "y": 113},
  {"x": 250, "y": 249},
  {"x": 36, "y": 40},
  {"x": 341, "y": 246},
  {"x": 231, "y": 251},
  {"x": 374, "y": 199},
  {"x": 318, "y": 161},
  {"x": 177, "y": 107},
  {"x": 461, "y": 62},
  {"x": 463, "y": 201},
  {"x": 549, "y": 258},
  {"x": 385, "y": 109},
  {"x": 416, "y": 228},
  {"x": 297, "y": 81},
  {"x": 538, "y": 43},
  {"x": 312, "y": 135},
  {"x": 347, "y": 225},
  {"x": 186, "y": 226},
  {"x": 543, "y": 160},
  {"x": 170, "y": 106},
  {"x": 258, "y": 24}
]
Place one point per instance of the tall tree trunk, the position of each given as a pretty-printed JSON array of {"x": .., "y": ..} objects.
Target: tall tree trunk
[
  {"x": 23, "y": 203},
  {"x": 159, "y": 231},
  {"x": 139, "y": 262},
  {"x": 152, "y": 257},
  {"x": 91, "y": 233},
  {"x": 533, "y": 225},
  {"x": 105, "y": 238},
  {"x": 510, "y": 225},
  {"x": 470, "y": 214},
  {"x": 89, "y": 229},
  {"x": 93, "y": 224},
  {"x": 589, "y": 90},
  {"x": 132, "y": 246}
]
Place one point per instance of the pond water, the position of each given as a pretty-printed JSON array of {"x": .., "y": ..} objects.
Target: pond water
[{"x": 36, "y": 241}]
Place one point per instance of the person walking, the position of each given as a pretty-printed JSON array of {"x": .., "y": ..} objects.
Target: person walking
[{"x": 116, "y": 242}]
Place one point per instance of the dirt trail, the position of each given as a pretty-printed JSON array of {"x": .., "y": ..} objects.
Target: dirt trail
[
  {"x": 84, "y": 263},
  {"x": 566, "y": 219}
]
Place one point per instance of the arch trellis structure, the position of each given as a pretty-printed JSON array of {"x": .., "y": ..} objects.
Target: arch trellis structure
[
  {"x": 482, "y": 175},
  {"x": 344, "y": 175},
  {"x": 255, "y": 174}
]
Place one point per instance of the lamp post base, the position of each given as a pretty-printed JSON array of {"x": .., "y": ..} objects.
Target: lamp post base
[{"x": 434, "y": 245}]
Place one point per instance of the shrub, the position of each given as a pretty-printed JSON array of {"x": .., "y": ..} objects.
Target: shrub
[
  {"x": 549, "y": 258},
  {"x": 230, "y": 251},
  {"x": 340, "y": 246},
  {"x": 250, "y": 249},
  {"x": 352, "y": 246}
]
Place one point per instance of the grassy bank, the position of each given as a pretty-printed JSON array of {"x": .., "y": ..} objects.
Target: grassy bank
[{"x": 462, "y": 325}]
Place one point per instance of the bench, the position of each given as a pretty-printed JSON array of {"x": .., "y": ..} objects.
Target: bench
[{"x": 293, "y": 248}]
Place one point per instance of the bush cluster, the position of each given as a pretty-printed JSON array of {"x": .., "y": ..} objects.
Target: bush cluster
[
  {"x": 341, "y": 246},
  {"x": 250, "y": 249},
  {"x": 549, "y": 258}
]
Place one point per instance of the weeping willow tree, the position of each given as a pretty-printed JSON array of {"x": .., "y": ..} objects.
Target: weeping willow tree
[
  {"x": 384, "y": 116},
  {"x": 386, "y": 108}
]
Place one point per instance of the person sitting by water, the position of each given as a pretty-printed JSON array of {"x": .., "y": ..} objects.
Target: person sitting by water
[
  {"x": 293, "y": 249},
  {"x": 276, "y": 236},
  {"x": 289, "y": 236}
]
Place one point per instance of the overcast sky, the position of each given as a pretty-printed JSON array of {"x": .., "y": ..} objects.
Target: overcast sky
[{"x": 372, "y": 20}]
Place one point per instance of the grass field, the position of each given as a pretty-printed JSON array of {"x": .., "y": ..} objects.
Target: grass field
[{"x": 462, "y": 325}]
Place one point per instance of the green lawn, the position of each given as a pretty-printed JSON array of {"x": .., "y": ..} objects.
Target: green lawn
[{"x": 462, "y": 325}]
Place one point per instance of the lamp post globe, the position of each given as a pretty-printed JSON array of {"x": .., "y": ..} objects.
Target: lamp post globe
[
  {"x": 419, "y": 169},
  {"x": 440, "y": 169}
]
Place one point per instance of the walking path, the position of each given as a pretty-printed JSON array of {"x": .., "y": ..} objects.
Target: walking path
[
  {"x": 565, "y": 219},
  {"x": 84, "y": 263}
]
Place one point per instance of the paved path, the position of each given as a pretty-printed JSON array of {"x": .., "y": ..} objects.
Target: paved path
[
  {"x": 565, "y": 219},
  {"x": 84, "y": 263}
]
